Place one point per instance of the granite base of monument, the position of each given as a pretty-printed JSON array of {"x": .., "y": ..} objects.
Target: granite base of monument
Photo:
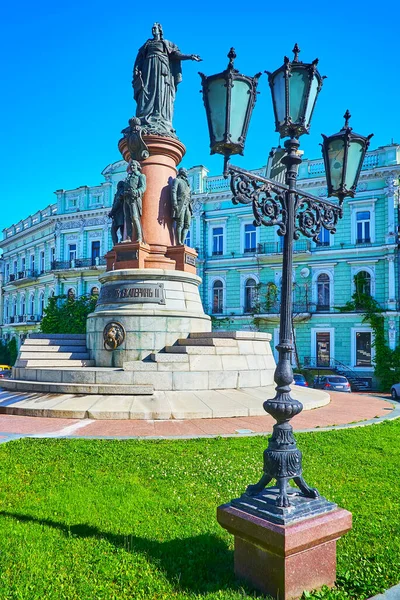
[
  {"x": 154, "y": 307},
  {"x": 292, "y": 550}
]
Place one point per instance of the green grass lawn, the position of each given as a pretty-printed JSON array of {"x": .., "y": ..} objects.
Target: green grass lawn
[{"x": 90, "y": 519}]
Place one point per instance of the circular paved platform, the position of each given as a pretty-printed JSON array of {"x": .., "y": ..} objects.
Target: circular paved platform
[
  {"x": 199, "y": 404},
  {"x": 344, "y": 410}
]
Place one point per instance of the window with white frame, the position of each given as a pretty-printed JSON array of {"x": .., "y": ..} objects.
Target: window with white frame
[
  {"x": 31, "y": 305},
  {"x": 7, "y": 273},
  {"x": 41, "y": 261},
  {"x": 23, "y": 265},
  {"x": 6, "y": 310},
  {"x": 187, "y": 241},
  {"x": 71, "y": 252},
  {"x": 362, "y": 283},
  {"x": 250, "y": 295},
  {"x": 363, "y": 227},
  {"x": 363, "y": 349},
  {"x": 250, "y": 238},
  {"x": 96, "y": 199},
  {"x": 14, "y": 309},
  {"x": 52, "y": 256},
  {"x": 32, "y": 262},
  {"x": 15, "y": 267},
  {"x": 22, "y": 305},
  {"x": 218, "y": 297},
  {"x": 324, "y": 237},
  {"x": 95, "y": 252},
  {"x": 41, "y": 303},
  {"x": 72, "y": 202},
  {"x": 323, "y": 291},
  {"x": 217, "y": 240}
]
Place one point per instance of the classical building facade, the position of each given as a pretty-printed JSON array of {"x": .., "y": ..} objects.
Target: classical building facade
[
  {"x": 60, "y": 250},
  {"x": 241, "y": 265}
]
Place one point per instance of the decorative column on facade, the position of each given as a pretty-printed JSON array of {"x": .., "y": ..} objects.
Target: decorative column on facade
[
  {"x": 106, "y": 228},
  {"x": 81, "y": 240},
  {"x": 392, "y": 334},
  {"x": 391, "y": 284},
  {"x": 390, "y": 195},
  {"x": 80, "y": 286},
  {"x": 57, "y": 238}
]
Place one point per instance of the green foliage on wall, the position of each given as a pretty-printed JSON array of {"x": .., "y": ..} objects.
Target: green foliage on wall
[
  {"x": 386, "y": 361},
  {"x": 67, "y": 314}
]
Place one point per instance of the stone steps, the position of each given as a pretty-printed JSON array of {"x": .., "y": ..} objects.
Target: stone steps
[
  {"x": 54, "y": 356},
  {"x": 47, "y": 348},
  {"x": 57, "y": 336},
  {"x": 209, "y": 362},
  {"x": 21, "y": 385},
  {"x": 60, "y": 362},
  {"x": 55, "y": 350}
]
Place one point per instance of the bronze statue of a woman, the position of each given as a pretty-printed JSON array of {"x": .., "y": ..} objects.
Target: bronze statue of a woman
[{"x": 156, "y": 75}]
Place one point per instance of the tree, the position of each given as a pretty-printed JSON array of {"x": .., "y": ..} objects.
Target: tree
[
  {"x": 12, "y": 351},
  {"x": 67, "y": 314}
]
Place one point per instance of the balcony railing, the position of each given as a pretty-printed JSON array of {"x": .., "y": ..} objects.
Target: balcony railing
[
  {"x": 77, "y": 263},
  {"x": 277, "y": 248},
  {"x": 21, "y": 276},
  {"x": 18, "y": 319}
]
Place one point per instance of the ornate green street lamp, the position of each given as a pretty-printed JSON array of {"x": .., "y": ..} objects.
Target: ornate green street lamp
[
  {"x": 344, "y": 154},
  {"x": 295, "y": 87},
  {"x": 229, "y": 99}
]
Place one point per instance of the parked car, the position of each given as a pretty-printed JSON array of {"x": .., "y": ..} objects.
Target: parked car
[
  {"x": 336, "y": 383},
  {"x": 299, "y": 379},
  {"x": 395, "y": 391},
  {"x": 5, "y": 371}
]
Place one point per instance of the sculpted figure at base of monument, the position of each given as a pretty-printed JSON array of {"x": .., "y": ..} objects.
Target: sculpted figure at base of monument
[
  {"x": 181, "y": 205},
  {"x": 135, "y": 186},
  {"x": 117, "y": 214}
]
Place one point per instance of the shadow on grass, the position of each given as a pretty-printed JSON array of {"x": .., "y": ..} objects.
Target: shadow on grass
[{"x": 200, "y": 564}]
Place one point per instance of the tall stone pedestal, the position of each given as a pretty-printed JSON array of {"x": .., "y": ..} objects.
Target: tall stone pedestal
[
  {"x": 157, "y": 223},
  {"x": 155, "y": 307},
  {"x": 285, "y": 560}
]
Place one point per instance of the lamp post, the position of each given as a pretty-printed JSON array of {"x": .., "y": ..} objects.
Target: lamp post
[{"x": 295, "y": 87}]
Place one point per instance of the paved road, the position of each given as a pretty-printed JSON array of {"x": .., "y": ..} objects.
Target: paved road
[{"x": 344, "y": 410}]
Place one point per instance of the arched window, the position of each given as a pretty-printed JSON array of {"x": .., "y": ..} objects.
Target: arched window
[
  {"x": 14, "y": 309},
  {"x": 94, "y": 291},
  {"x": 362, "y": 281},
  {"x": 323, "y": 292},
  {"x": 31, "y": 305},
  {"x": 41, "y": 303},
  {"x": 218, "y": 297},
  {"x": 71, "y": 294},
  {"x": 22, "y": 305},
  {"x": 250, "y": 295}
]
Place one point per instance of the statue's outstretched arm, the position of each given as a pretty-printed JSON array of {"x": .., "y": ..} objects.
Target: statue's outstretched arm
[{"x": 178, "y": 56}]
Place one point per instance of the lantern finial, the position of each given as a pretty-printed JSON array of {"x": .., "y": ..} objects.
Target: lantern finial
[
  {"x": 296, "y": 51},
  {"x": 346, "y": 117},
  {"x": 231, "y": 56}
]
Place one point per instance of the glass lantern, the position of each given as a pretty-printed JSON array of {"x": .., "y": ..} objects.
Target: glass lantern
[
  {"x": 344, "y": 154},
  {"x": 295, "y": 87},
  {"x": 229, "y": 99}
]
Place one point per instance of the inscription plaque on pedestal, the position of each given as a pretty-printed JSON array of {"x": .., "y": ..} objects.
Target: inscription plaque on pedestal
[
  {"x": 133, "y": 293},
  {"x": 190, "y": 260},
  {"x": 124, "y": 255}
]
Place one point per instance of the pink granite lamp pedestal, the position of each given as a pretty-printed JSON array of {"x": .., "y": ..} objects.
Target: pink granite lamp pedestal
[{"x": 285, "y": 560}]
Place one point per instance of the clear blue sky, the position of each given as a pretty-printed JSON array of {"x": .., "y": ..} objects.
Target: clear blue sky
[{"x": 67, "y": 68}]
